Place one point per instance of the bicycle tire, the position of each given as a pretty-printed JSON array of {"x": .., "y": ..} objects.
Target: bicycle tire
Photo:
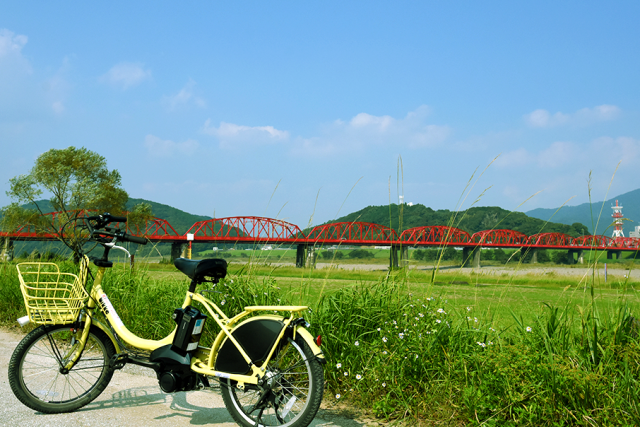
[
  {"x": 298, "y": 387},
  {"x": 35, "y": 374}
]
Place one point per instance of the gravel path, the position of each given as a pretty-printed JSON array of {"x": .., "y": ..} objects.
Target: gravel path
[
  {"x": 133, "y": 398},
  {"x": 538, "y": 270}
]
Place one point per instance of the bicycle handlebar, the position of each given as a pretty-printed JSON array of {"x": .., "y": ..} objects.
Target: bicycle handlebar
[
  {"x": 101, "y": 228},
  {"x": 117, "y": 218},
  {"x": 134, "y": 239}
]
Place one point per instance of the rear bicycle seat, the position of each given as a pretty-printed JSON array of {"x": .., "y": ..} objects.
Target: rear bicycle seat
[{"x": 197, "y": 270}]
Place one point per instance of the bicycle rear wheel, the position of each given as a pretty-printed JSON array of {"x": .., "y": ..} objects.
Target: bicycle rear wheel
[
  {"x": 37, "y": 375},
  {"x": 291, "y": 394}
]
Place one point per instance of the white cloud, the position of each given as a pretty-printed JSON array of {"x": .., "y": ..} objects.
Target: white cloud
[
  {"x": 183, "y": 98},
  {"x": 166, "y": 148},
  {"x": 364, "y": 130},
  {"x": 585, "y": 116},
  {"x": 11, "y": 58},
  {"x": 542, "y": 119},
  {"x": 568, "y": 156},
  {"x": 516, "y": 158},
  {"x": 58, "y": 107},
  {"x": 599, "y": 113},
  {"x": 11, "y": 43},
  {"x": 231, "y": 135},
  {"x": 364, "y": 120},
  {"x": 126, "y": 74},
  {"x": 57, "y": 87}
]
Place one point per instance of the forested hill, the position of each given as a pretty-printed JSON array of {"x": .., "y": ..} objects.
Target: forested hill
[
  {"x": 472, "y": 220},
  {"x": 596, "y": 213},
  {"x": 180, "y": 221}
]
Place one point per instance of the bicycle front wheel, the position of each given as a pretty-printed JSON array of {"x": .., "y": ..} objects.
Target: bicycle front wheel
[
  {"x": 37, "y": 375},
  {"x": 290, "y": 396}
]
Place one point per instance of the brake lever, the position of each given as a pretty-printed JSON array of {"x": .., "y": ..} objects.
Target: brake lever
[{"x": 112, "y": 245}]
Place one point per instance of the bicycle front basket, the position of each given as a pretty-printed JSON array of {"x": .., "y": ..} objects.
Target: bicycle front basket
[{"x": 51, "y": 297}]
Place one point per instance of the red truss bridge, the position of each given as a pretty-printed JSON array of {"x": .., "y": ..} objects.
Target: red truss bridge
[{"x": 260, "y": 230}]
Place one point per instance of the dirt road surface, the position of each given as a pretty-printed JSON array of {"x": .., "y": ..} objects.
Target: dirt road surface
[{"x": 133, "y": 398}]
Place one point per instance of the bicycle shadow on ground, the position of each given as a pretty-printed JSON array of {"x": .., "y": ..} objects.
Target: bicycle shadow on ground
[{"x": 177, "y": 405}]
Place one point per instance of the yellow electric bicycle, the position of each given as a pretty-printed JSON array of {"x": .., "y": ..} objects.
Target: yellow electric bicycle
[{"x": 269, "y": 366}]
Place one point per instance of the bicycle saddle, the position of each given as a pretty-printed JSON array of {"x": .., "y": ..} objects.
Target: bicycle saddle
[{"x": 199, "y": 269}]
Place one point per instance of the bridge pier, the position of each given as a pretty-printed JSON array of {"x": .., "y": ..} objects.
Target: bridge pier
[
  {"x": 301, "y": 255},
  {"x": 612, "y": 252},
  {"x": 177, "y": 250},
  {"x": 579, "y": 256},
  {"x": 404, "y": 256},
  {"x": 471, "y": 257},
  {"x": 393, "y": 257},
  {"x": 7, "y": 250},
  {"x": 311, "y": 257},
  {"x": 534, "y": 256}
]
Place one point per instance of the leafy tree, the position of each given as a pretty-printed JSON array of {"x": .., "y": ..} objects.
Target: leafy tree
[
  {"x": 418, "y": 254},
  {"x": 430, "y": 254},
  {"x": 331, "y": 254},
  {"x": 76, "y": 179},
  {"x": 560, "y": 257},
  {"x": 500, "y": 255},
  {"x": 360, "y": 254},
  {"x": 543, "y": 255}
]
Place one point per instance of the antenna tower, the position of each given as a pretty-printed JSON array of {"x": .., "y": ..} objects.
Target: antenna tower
[{"x": 617, "y": 220}]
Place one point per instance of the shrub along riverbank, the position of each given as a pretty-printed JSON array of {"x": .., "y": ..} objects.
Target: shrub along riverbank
[{"x": 409, "y": 355}]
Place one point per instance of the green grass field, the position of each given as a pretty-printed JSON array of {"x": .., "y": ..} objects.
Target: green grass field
[{"x": 452, "y": 347}]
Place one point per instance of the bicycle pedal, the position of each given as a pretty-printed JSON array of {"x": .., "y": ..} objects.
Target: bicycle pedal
[{"x": 118, "y": 361}]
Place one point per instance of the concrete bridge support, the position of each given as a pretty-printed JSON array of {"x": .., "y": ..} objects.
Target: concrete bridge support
[
  {"x": 7, "y": 250},
  {"x": 612, "y": 252},
  {"x": 404, "y": 256},
  {"x": 393, "y": 257},
  {"x": 177, "y": 250},
  {"x": 301, "y": 256},
  {"x": 471, "y": 257},
  {"x": 534, "y": 255},
  {"x": 579, "y": 256},
  {"x": 311, "y": 257}
]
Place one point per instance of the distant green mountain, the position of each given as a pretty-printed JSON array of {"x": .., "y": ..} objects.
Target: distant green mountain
[
  {"x": 472, "y": 220},
  {"x": 585, "y": 212},
  {"x": 181, "y": 221}
]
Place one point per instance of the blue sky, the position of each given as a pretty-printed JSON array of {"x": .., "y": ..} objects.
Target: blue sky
[{"x": 294, "y": 109}]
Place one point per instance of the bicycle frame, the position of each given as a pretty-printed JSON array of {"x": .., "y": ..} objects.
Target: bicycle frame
[{"x": 204, "y": 358}]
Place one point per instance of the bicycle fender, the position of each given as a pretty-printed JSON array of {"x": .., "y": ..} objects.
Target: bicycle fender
[
  {"x": 257, "y": 337},
  {"x": 317, "y": 352}
]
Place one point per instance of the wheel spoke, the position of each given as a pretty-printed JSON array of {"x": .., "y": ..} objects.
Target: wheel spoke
[
  {"x": 36, "y": 376},
  {"x": 294, "y": 394}
]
